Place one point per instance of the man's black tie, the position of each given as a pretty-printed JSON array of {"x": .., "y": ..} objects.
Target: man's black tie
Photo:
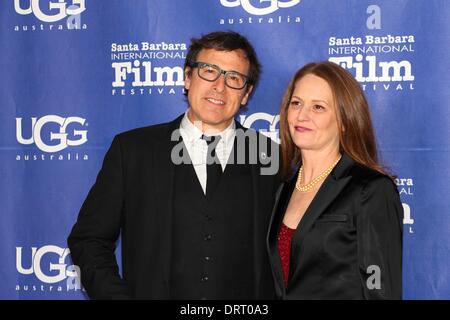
[{"x": 213, "y": 167}]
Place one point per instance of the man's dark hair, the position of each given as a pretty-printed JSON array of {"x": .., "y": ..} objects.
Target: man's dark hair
[{"x": 226, "y": 41}]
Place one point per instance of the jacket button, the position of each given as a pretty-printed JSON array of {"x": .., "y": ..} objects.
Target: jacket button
[{"x": 207, "y": 237}]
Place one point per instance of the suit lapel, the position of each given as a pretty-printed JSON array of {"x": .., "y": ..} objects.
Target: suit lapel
[
  {"x": 259, "y": 250},
  {"x": 281, "y": 201},
  {"x": 163, "y": 182},
  {"x": 164, "y": 168},
  {"x": 330, "y": 189}
]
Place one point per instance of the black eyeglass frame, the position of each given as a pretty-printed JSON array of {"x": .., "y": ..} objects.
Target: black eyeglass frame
[{"x": 199, "y": 64}]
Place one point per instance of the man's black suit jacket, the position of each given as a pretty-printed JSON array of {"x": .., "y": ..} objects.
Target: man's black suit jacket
[{"x": 131, "y": 198}]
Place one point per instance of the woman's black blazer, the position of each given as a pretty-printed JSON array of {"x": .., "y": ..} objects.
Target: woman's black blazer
[{"x": 348, "y": 244}]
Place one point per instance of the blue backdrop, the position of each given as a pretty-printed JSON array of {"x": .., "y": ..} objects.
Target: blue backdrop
[{"x": 77, "y": 72}]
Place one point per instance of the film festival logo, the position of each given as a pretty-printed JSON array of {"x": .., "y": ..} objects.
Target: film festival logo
[
  {"x": 377, "y": 62},
  {"x": 259, "y": 9},
  {"x": 51, "y": 13},
  {"x": 56, "y": 270},
  {"x": 52, "y": 134},
  {"x": 148, "y": 68}
]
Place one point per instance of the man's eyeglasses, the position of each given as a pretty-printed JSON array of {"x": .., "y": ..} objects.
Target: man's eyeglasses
[{"x": 211, "y": 72}]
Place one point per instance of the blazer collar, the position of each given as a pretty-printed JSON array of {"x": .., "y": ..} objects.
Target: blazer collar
[
  {"x": 330, "y": 189},
  {"x": 343, "y": 167}
]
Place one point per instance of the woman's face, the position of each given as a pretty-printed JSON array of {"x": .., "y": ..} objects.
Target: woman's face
[{"x": 312, "y": 115}]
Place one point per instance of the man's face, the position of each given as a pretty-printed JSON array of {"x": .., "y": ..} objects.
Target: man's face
[{"x": 213, "y": 103}]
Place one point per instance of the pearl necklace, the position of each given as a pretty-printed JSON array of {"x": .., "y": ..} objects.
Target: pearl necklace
[{"x": 307, "y": 187}]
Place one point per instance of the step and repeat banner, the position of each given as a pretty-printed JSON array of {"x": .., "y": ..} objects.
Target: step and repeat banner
[{"x": 74, "y": 73}]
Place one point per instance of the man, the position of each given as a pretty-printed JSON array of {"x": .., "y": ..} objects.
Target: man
[{"x": 191, "y": 198}]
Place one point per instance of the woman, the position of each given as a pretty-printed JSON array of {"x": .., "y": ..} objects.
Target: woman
[{"x": 336, "y": 229}]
